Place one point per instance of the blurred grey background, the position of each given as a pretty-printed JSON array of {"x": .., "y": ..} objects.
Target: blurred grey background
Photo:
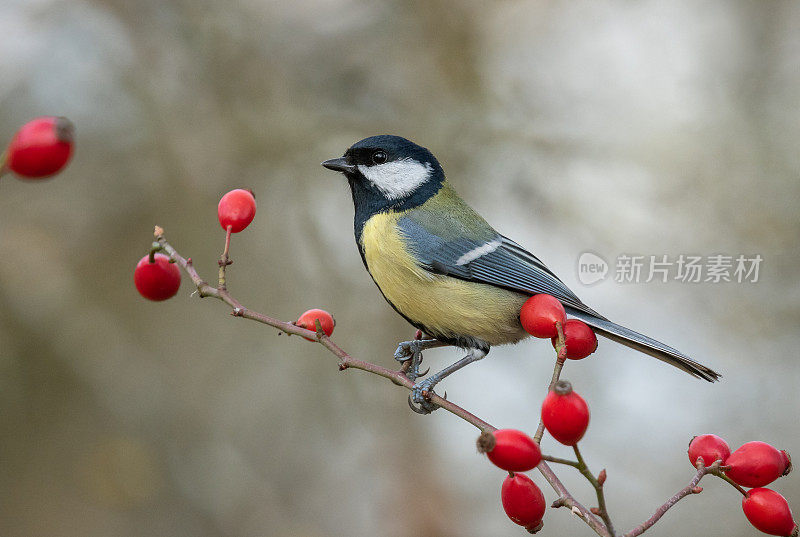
[{"x": 617, "y": 127}]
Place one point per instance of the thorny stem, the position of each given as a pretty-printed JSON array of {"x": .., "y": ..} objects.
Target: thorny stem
[
  {"x": 598, "y": 488},
  {"x": 565, "y": 498},
  {"x": 561, "y": 357}
]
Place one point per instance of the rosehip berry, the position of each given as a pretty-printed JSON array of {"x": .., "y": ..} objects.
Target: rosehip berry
[
  {"x": 578, "y": 338},
  {"x": 710, "y": 447},
  {"x": 769, "y": 512},
  {"x": 565, "y": 414},
  {"x": 236, "y": 209},
  {"x": 523, "y": 502},
  {"x": 159, "y": 280},
  {"x": 307, "y": 319},
  {"x": 756, "y": 464},
  {"x": 41, "y": 147},
  {"x": 510, "y": 450},
  {"x": 539, "y": 315}
]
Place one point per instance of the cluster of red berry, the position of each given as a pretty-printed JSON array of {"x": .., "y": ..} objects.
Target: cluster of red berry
[
  {"x": 539, "y": 317},
  {"x": 565, "y": 414},
  {"x": 755, "y": 464},
  {"x": 514, "y": 451},
  {"x": 156, "y": 276},
  {"x": 40, "y": 148}
]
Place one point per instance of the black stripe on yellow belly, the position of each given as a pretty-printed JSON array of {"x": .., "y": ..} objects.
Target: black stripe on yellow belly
[{"x": 445, "y": 307}]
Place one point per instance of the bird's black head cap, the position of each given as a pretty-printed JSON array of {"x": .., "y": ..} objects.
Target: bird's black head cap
[{"x": 386, "y": 173}]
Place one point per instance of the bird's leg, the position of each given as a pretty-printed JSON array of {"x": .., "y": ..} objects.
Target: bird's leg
[
  {"x": 412, "y": 350},
  {"x": 421, "y": 392}
]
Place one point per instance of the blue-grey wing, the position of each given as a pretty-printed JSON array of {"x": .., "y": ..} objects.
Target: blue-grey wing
[
  {"x": 440, "y": 247},
  {"x": 497, "y": 261}
]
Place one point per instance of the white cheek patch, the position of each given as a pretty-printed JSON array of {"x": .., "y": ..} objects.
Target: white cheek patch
[
  {"x": 398, "y": 178},
  {"x": 479, "y": 251}
]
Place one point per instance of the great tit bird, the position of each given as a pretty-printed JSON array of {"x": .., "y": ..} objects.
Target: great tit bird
[{"x": 446, "y": 270}]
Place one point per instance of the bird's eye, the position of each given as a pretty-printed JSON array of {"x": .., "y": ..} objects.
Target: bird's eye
[{"x": 379, "y": 157}]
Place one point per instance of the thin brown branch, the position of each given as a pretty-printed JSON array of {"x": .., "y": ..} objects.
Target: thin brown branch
[
  {"x": 396, "y": 377},
  {"x": 691, "y": 488},
  {"x": 346, "y": 361}
]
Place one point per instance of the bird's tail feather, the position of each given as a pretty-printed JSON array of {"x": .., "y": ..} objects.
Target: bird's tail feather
[{"x": 647, "y": 345}]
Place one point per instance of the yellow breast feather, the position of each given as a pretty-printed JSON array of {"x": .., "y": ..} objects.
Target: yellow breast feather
[{"x": 446, "y": 306}]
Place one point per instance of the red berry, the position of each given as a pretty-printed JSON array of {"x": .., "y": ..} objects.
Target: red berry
[
  {"x": 523, "y": 501},
  {"x": 41, "y": 147},
  {"x": 565, "y": 414},
  {"x": 769, "y": 512},
  {"x": 510, "y": 450},
  {"x": 159, "y": 280},
  {"x": 756, "y": 464},
  {"x": 236, "y": 209},
  {"x": 579, "y": 339},
  {"x": 539, "y": 315},
  {"x": 710, "y": 447},
  {"x": 326, "y": 321}
]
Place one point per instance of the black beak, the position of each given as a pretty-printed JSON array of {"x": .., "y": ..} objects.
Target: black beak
[{"x": 339, "y": 165}]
